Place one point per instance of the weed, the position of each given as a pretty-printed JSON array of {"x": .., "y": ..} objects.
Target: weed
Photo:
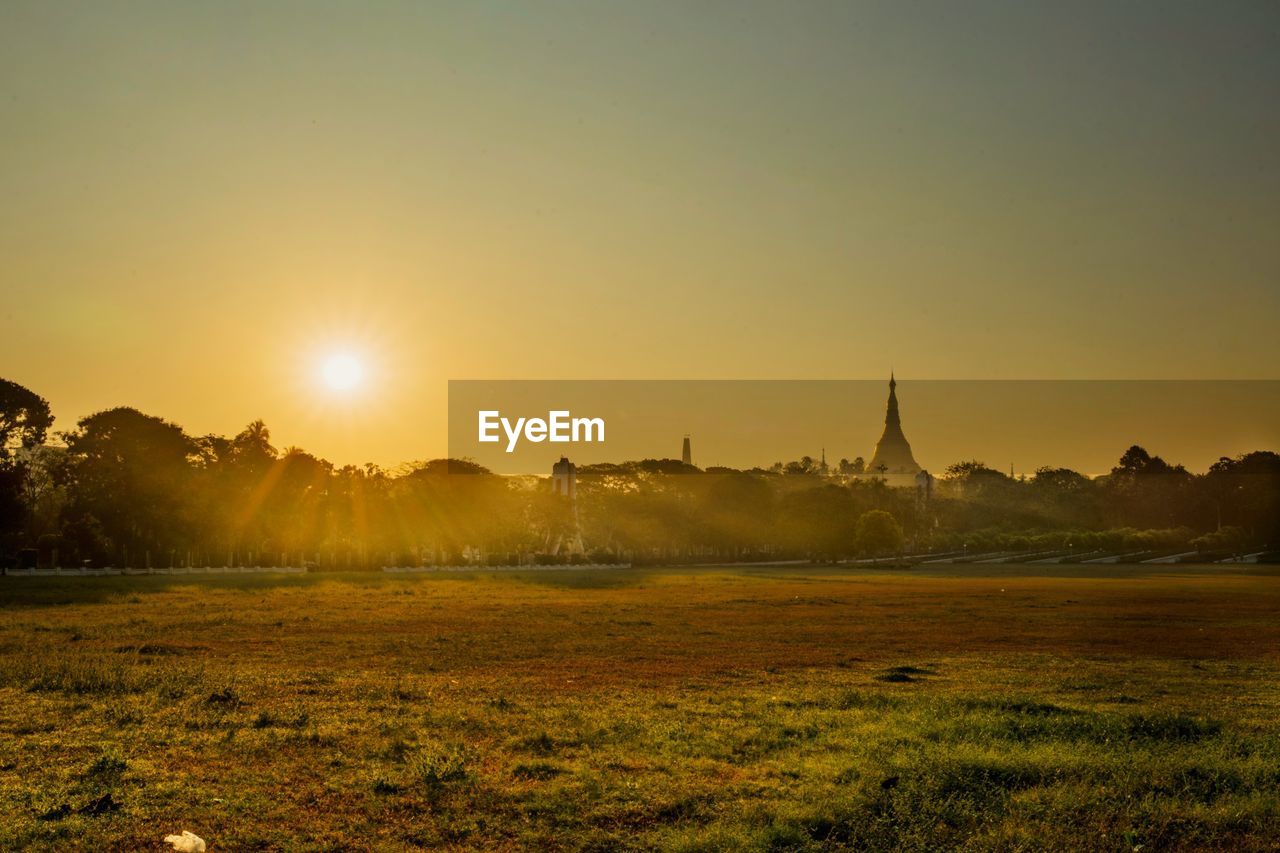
[
  {"x": 439, "y": 766},
  {"x": 537, "y": 770}
]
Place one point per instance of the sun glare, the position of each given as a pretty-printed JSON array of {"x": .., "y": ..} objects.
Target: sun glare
[{"x": 342, "y": 372}]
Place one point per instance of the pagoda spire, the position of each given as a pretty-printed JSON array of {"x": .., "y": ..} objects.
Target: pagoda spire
[
  {"x": 892, "y": 457},
  {"x": 891, "y": 418}
]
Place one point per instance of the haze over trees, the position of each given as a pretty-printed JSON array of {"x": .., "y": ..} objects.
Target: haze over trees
[{"x": 125, "y": 488}]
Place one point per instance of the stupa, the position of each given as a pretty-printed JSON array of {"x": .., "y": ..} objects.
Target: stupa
[{"x": 892, "y": 461}]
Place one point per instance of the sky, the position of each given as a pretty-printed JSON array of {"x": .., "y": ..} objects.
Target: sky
[{"x": 204, "y": 202}]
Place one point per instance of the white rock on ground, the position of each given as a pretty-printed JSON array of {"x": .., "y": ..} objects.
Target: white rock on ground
[{"x": 187, "y": 842}]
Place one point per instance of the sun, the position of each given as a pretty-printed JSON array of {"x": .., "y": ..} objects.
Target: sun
[{"x": 342, "y": 372}]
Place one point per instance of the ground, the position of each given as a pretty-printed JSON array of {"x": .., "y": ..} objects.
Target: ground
[{"x": 1010, "y": 708}]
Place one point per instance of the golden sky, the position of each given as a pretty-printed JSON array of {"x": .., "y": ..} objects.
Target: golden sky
[{"x": 201, "y": 201}]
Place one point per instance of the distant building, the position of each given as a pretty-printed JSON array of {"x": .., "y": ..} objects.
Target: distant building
[
  {"x": 924, "y": 486},
  {"x": 564, "y": 483},
  {"x": 892, "y": 461},
  {"x": 564, "y": 479},
  {"x": 686, "y": 455}
]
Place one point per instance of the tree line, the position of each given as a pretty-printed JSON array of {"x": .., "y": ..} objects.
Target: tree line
[{"x": 124, "y": 488}]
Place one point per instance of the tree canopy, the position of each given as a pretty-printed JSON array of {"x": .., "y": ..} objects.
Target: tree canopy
[{"x": 130, "y": 488}]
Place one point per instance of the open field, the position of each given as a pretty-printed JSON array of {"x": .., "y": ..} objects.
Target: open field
[{"x": 987, "y": 707}]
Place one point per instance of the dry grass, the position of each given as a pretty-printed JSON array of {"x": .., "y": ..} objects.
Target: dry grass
[{"x": 1012, "y": 708}]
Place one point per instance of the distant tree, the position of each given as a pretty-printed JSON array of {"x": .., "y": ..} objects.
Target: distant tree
[
  {"x": 1230, "y": 539},
  {"x": 299, "y": 508},
  {"x": 453, "y": 504},
  {"x": 128, "y": 485},
  {"x": 1145, "y": 491},
  {"x": 25, "y": 418},
  {"x": 1245, "y": 492},
  {"x": 852, "y": 469},
  {"x": 443, "y": 467},
  {"x": 1136, "y": 460},
  {"x": 1064, "y": 497},
  {"x": 132, "y": 476},
  {"x": 803, "y": 465},
  {"x": 43, "y": 496},
  {"x": 744, "y": 495},
  {"x": 878, "y": 533},
  {"x": 738, "y": 512},
  {"x": 1061, "y": 480},
  {"x": 975, "y": 481},
  {"x": 972, "y": 469},
  {"x": 664, "y": 466},
  {"x": 251, "y": 449},
  {"x": 817, "y": 522}
]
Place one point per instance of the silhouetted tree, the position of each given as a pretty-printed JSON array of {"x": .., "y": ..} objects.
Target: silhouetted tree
[
  {"x": 737, "y": 513},
  {"x": 852, "y": 469},
  {"x": 878, "y": 533},
  {"x": 131, "y": 475},
  {"x": 1245, "y": 492},
  {"x": 129, "y": 486},
  {"x": 25, "y": 419},
  {"x": 1145, "y": 491},
  {"x": 818, "y": 522}
]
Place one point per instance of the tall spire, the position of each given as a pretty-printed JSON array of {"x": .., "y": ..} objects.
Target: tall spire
[
  {"x": 893, "y": 452},
  {"x": 891, "y": 412}
]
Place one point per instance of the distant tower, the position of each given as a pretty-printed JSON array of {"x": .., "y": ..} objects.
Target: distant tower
[
  {"x": 893, "y": 460},
  {"x": 822, "y": 466},
  {"x": 686, "y": 455},
  {"x": 564, "y": 479},
  {"x": 924, "y": 486},
  {"x": 564, "y": 483}
]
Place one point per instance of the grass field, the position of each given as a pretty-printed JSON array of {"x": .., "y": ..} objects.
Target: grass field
[{"x": 1107, "y": 708}]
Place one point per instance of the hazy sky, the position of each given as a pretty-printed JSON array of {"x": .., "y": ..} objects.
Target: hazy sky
[{"x": 203, "y": 200}]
